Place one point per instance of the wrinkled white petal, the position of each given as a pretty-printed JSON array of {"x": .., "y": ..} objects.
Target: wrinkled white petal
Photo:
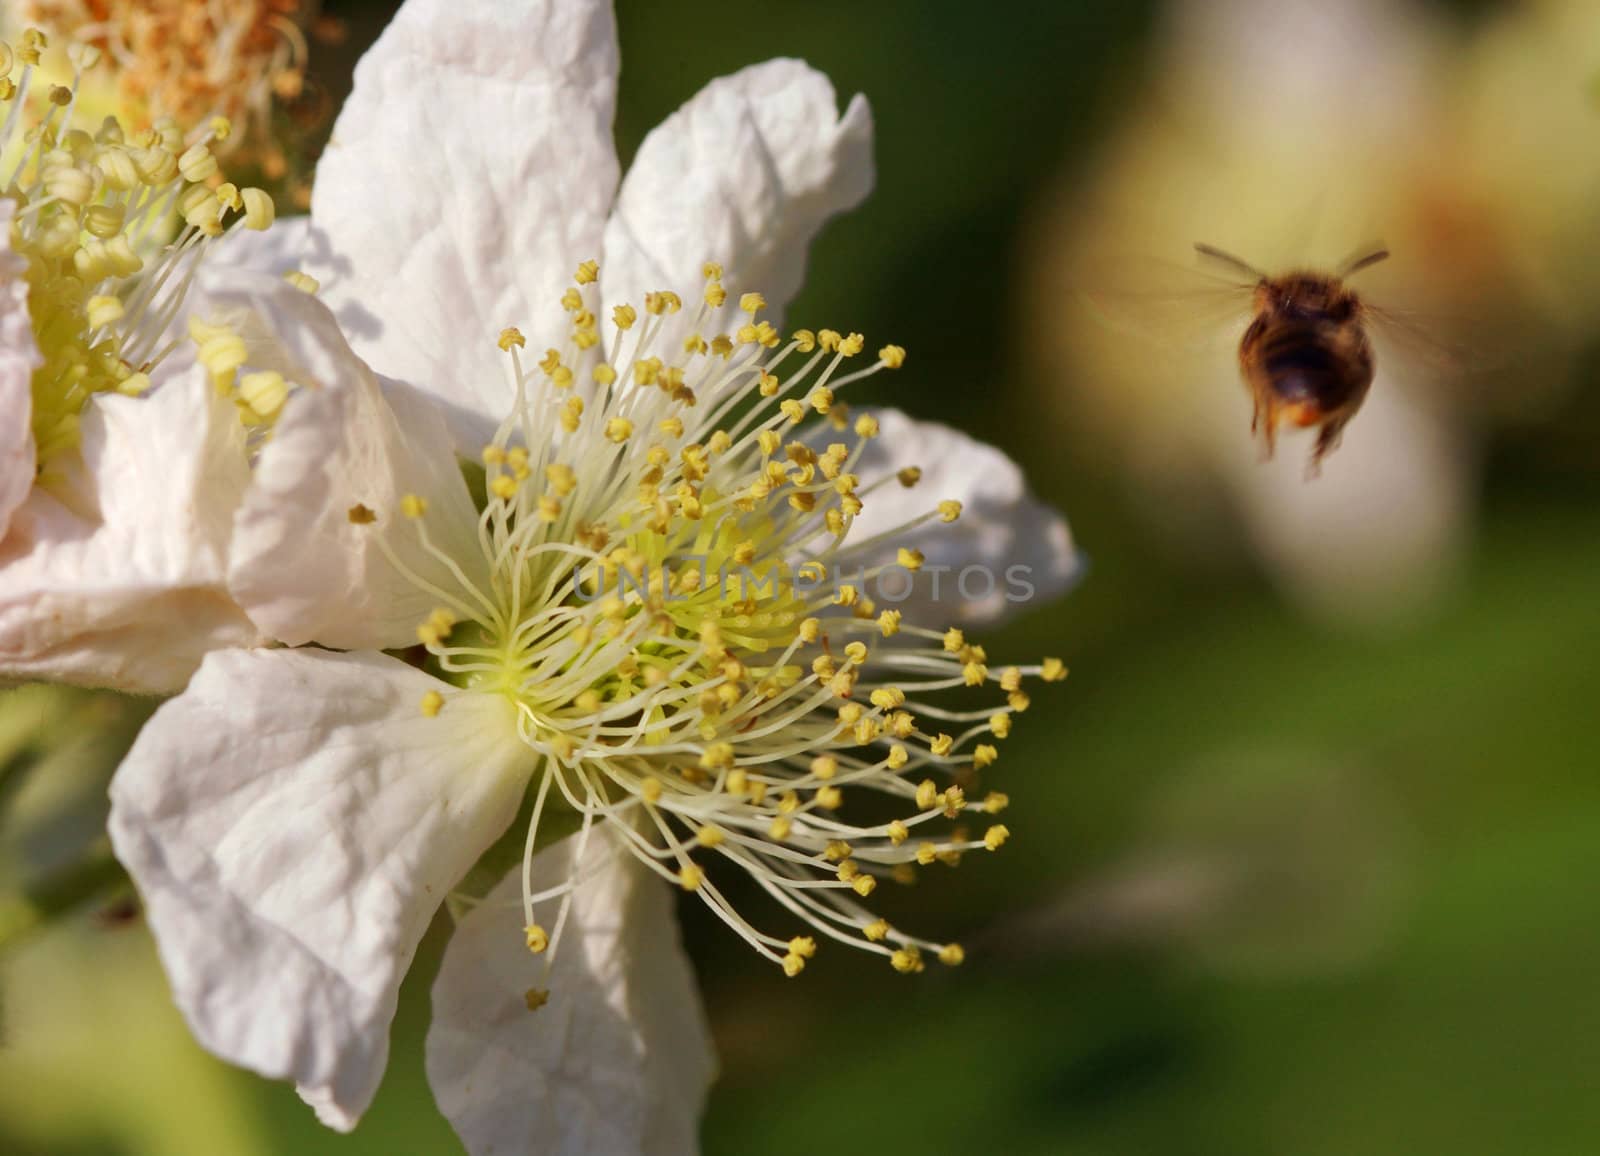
[
  {"x": 292, "y": 821},
  {"x": 469, "y": 173},
  {"x": 745, "y": 174},
  {"x": 113, "y": 573},
  {"x": 347, "y": 448},
  {"x": 18, "y": 357},
  {"x": 1375, "y": 535},
  {"x": 618, "y": 1061},
  {"x": 1006, "y": 551}
]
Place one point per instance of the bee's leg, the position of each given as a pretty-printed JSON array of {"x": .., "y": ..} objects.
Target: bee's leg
[
  {"x": 1266, "y": 423},
  {"x": 1327, "y": 441}
]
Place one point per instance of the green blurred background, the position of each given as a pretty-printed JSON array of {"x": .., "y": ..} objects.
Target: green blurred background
[{"x": 1279, "y": 884}]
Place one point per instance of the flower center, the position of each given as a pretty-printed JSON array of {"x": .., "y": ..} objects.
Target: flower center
[
  {"x": 112, "y": 231},
  {"x": 675, "y": 608}
]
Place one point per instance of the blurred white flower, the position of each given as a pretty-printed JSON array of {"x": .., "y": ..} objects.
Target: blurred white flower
[{"x": 295, "y": 818}]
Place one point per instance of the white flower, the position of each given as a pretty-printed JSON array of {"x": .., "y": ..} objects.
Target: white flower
[
  {"x": 115, "y": 507},
  {"x": 295, "y": 818}
]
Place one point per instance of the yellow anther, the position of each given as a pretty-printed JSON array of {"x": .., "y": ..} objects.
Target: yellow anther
[
  {"x": 927, "y": 795},
  {"x": 910, "y": 559},
  {"x": 780, "y": 828},
  {"x": 836, "y": 851},
  {"x": 197, "y": 164},
  {"x": 907, "y": 960},
  {"x": 618, "y": 429},
  {"x": 974, "y": 673},
  {"x": 852, "y": 345},
  {"x": 983, "y": 755},
  {"x": 829, "y": 339},
  {"x": 588, "y": 273},
  {"x": 793, "y": 410},
  {"x": 625, "y": 316},
  {"x": 536, "y": 938},
  {"x": 752, "y": 303},
  {"x": 889, "y": 623},
  {"x": 927, "y": 853},
  {"x": 571, "y": 413},
  {"x": 910, "y": 476},
  {"x": 690, "y": 877},
  {"x": 951, "y": 955},
  {"x": 888, "y": 697},
  {"x": 892, "y": 356},
  {"x": 103, "y": 310},
  {"x": 829, "y": 798},
  {"x": 511, "y": 337},
  {"x": 996, "y": 836},
  {"x": 954, "y": 640},
  {"x": 856, "y": 652},
  {"x": 414, "y": 505},
  {"x": 259, "y": 211},
  {"x": 265, "y": 393},
  {"x": 302, "y": 281},
  {"x": 716, "y": 296},
  {"x": 432, "y": 704},
  {"x": 709, "y": 836},
  {"x": 949, "y": 510},
  {"x": 954, "y": 801},
  {"x": 1000, "y": 724},
  {"x": 876, "y": 931},
  {"x": 864, "y": 885},
  {"x": 504, "y": 487},
  {"x": 793, "y": 965},
  {"x": 1052, "y": 670},
  {"x": 561, "y": 478},
  {"x": 995, "y": 802},
  {"x": 866, "y": 426},
  {"x": 898, "y": 757},
  {"x": 717, "y": 756},
  {"x": 650, "y": 790},
  {"x": 810, "y": 629},
  {"x": 535, "y": 998},
  {"x": 824, "y": 767},
  {"x": 898, "y": 832}
]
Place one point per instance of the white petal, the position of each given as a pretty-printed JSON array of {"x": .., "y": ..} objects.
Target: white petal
[
  {"x": 292, "y": 821},
  {"x": 618, "y": 1061},
  {"x": 113, "y": 573},
  {"x": 301, "y": 567},
  {"x": 468, "y": 175},
  {"x": 745, "y": 174},
  {"x": 1006, "y": 551},
  {"x": 18, "y": 357}
]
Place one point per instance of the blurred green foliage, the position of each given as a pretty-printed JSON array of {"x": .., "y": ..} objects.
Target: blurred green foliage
[{"x": 1273, "y": 888}]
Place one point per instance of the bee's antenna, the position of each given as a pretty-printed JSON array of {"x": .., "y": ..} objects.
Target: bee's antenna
[
  {"x": 1230, "y": 260},
  {"x": 1367, "y": 259}
]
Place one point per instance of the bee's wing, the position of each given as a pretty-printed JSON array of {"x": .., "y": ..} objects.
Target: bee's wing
[
  {"x": 1165, "y": 304},
  {"x": 1420, "y": 341}
]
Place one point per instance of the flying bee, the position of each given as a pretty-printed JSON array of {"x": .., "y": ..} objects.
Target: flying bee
[
  {"x": 1305, "y": 357},
  {"x": 1308, "y": 350}
]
